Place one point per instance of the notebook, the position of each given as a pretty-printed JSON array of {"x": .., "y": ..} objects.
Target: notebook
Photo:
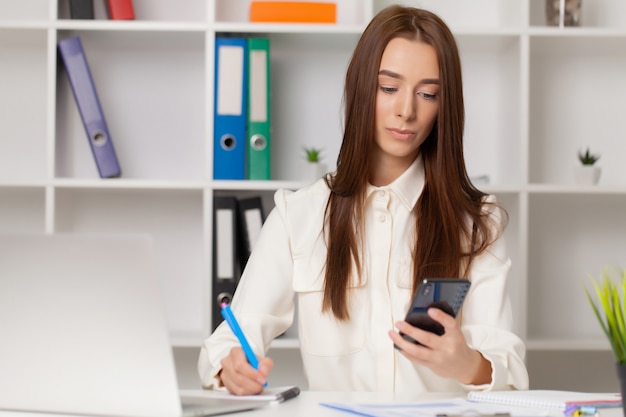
[
  {"x": 547, "y": 399},
  {"x": 84, "y": 330}
]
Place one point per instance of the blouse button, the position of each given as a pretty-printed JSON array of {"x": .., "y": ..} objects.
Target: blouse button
[
  {"x": 382, "y": 193},
  {"x": 382, "y": 218}
]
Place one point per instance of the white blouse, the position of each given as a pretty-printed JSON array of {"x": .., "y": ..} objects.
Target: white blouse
[{"x": 286, "y": 270}]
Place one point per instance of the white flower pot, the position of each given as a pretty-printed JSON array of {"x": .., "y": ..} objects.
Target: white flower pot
[
  {"x": 587, "y": 175},
  {"x": 570, "y": 15},
  {"x": 312, "y": 171}
]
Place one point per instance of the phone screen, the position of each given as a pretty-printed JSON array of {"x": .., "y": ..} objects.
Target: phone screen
[{"x": 446, "y": 294}]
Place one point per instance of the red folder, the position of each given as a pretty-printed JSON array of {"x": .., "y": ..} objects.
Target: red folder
[
  {"x": 121, "y": 9},
  {"x": 292, "y": 12}
]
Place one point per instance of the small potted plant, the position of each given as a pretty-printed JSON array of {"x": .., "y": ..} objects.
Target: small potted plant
[
  {"x": 588, "y": 173},
  {"x": 313, "y": 167},
  {"x": 312, "y": 154},
  {"x": 610, "y": 310},
  {"x": 569, "y": 16}
]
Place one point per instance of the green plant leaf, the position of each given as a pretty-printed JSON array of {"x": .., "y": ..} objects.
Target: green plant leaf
[
  {"x": 588, "y": 158},
  {"x": 312, "y": 154},
  {"x": 610, "y": 304},
  {"x": 620, "y": 328},
  {"x": 596, "y": 310}
]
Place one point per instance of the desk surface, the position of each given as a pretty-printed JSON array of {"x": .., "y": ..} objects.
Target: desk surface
[{"x": 308, "y": 404}]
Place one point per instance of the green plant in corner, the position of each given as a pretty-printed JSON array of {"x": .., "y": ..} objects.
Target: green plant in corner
[
  {"x": 312, "y": 154},
  {"x": 588, "y": 158},
  {"x": 610, "y": 311}
]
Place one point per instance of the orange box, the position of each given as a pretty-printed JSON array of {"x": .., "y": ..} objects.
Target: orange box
[{"x": 292, "y": 12}]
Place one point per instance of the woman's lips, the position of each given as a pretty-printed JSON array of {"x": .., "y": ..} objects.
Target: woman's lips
[{"x": 401, "y": 133}]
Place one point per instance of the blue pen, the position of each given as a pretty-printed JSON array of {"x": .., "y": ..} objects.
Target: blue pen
[{"x": 228, "y": 315}]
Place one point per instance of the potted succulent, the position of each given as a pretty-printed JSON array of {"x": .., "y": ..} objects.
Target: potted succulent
[
  {"x": 587, "y": 173},
  {"x": 312, "y": 154},
  {"x": 610, "y": 310},
  {"x": 313, "y": 167}
]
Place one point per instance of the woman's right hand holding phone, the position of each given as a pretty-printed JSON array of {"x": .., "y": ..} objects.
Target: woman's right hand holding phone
[{"x": 448, "y": 355}]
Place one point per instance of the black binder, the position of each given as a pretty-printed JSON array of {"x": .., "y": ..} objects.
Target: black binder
[
  {"x": 251, "y": 218},
  {"x": 81, "y": 9},
  {"x": 225, "y": 265}
]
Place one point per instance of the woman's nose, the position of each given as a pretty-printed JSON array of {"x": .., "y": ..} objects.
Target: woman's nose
[{"x": 406, "y": 106}]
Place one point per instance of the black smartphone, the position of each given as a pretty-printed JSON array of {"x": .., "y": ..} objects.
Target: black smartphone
[{"x": 446, "y": 294}]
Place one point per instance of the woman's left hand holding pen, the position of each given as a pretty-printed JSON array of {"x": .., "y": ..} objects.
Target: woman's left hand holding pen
[{"x": 239, "y": 377}]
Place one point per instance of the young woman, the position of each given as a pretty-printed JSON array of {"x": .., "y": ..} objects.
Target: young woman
[{"x": 353, "y": 246}]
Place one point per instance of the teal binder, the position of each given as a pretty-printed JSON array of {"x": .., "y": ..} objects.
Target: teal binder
[{"x": 258, "y": 135}]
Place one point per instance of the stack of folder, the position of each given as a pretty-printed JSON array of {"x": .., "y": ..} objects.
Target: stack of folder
[
  {"x": 84, "y": 89},
  {"x": 241, "y": 144},
  {"x": 237, "y": 224}
]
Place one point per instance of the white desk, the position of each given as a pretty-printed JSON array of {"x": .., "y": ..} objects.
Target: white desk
[
  {"x": 304, "y": 405},
  {"x": 307, "y": 404}
]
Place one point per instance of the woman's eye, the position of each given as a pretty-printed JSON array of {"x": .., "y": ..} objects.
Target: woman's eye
[
  {"x": 388, "y": 90},
  {"x": 427, "y": 96}
]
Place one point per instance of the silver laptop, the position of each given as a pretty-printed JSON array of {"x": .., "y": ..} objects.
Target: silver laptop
[{"x": 83, "y": 330}]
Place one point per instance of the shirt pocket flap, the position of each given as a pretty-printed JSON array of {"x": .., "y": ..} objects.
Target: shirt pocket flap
[{"x": 404, "y": 277}]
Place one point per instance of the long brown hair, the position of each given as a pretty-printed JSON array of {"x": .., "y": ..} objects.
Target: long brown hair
[{"x": 452, "y": 227}]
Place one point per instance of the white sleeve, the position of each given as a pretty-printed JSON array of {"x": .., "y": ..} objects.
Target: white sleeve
[{"x": 487, "y": 320}]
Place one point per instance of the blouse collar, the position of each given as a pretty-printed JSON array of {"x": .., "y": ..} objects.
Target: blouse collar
[{"x": 408, "y": 186}]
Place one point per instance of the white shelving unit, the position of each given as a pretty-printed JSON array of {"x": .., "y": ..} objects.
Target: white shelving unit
[{"x": 534, "y": 95}]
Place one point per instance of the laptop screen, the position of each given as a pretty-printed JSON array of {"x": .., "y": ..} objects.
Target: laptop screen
[{"x": 83, "y": 327}]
